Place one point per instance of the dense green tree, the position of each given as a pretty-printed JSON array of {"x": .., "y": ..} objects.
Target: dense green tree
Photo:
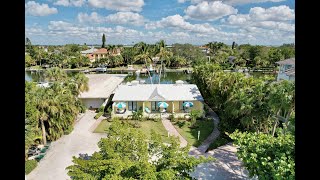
[
  {"x": 29, "y": 61},
  {"x": 245, "y": 103},
  {"x": 266, "y": 156},
  {"x": 53, "y": 109},
  {"x": 189, "y": 52},
  {"x": 127, "y": 154},
  {"x": 103, "y": 41}
]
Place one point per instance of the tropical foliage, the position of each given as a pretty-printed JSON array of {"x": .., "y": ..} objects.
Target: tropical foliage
[
  {"x": 126, "y": 154},
  {"x": 245, "y": 103},
  {"x": 51, "y": 111},
  {"x": 266, "y": 156},
  {"x": 179, "y": 55}
]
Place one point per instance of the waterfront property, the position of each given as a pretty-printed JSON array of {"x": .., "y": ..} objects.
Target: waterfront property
[
  {"x": 286, "y": 70},
  {"x": 100, "y": 88},
  {"x": 178, "y": 99}
]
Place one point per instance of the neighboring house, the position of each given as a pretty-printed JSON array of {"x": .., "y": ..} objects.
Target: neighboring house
[
  {"x": 286, "y": 69},
  {"x": 204, "y": 49},
  {"x": 91, "y": 57},
  {"x": 88, "y": 51},
  {"x": 100, "y": 53},
  {"x": 147, "y": 96},
  {"x": 100, "y": 88}
]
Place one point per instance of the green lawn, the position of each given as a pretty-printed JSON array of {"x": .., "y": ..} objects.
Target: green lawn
[
  {"x": 191, "y": 135},
  {"x": 145, "y": 128},
  {"x": 102, "y": 126}
]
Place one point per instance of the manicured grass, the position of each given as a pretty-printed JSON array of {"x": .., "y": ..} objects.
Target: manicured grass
[
  {"x": 30, "y": 165},
  {"x": 104, "y": 124},
  {"x": 146, "y": 127},
  {"x": 191, "y": 134}
]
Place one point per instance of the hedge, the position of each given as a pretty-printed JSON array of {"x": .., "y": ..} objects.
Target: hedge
[
  {"x": 98, "y": 115},
  {"x": 30, "y": 165}
]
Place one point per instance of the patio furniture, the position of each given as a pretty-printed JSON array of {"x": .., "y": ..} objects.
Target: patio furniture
[
  {"x": 163, "y": 110},
  {"x": 147, "y": 110},
  {"x": 121, "y": 111}
]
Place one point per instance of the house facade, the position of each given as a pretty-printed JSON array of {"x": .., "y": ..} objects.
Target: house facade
[
  {"x": 286, "y": 70},
  {"x": 146, "y": 97}
]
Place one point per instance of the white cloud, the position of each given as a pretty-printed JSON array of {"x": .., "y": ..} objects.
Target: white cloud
[
  {"x": 118, "y": 5},
  {"x": 239, "y": 19},
  {"x": 277, "y": 13},
  {"x": 92, "y": 18},
  {"x": 277, "y": 18},
  {"x": 117, "y": 18},
  {"x": 177, "y": 22},
  {"x": 35, "y": 9},
  {"x": 231, "y": 2},
  {"x": 125, "y": 18},
  {"x": 209, "y": 10},
  {"x": 77, "y": 3}
]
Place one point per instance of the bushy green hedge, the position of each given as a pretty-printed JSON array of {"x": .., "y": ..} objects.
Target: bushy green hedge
[
  {"x": 30, "y": 165},
  {"x": 98, "y": 115}
]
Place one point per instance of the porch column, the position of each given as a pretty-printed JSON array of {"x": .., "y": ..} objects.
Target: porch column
[
  {"x": 114, "y": 107},
  {"x": 172, "y": 107},
  {"x": 143, "y": 106}
]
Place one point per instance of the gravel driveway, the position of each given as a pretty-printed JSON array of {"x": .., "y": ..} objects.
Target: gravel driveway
[{"x": 59, "y": 155}]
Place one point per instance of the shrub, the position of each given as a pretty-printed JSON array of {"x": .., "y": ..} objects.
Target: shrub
[
  {"x": 220, "y": 141},
  {"x": 68, "y": 130},
  {"x": 101, "y": 108},
  {"x": 98, "y": 115},
  {"x": 172, "y": 118},
  {"x": 30, "y": 165}
]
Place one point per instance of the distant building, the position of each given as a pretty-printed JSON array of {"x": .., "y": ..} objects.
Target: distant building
[
  {"x": 286, "y": 69},
  {"x": 100, "y": 53},
  {"x": 205, "y": 49},
  {"x": 88, "y": 51}
]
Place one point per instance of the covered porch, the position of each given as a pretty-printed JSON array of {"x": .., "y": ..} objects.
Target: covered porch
[{"x": 152, "y": 110}]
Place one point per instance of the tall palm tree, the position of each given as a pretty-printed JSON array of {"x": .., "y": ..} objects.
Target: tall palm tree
[
  {"x": 163, "y": 54},
  {"x": 143, "y": 54}
]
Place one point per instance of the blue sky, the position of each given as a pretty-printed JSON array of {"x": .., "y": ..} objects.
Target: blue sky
[{"x": 265, "y": 22}]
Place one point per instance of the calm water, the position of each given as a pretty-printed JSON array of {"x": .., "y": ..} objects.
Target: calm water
[{"x": 166, "y": 78}]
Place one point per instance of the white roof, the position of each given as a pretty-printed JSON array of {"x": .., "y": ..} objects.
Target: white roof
[
  {"x": 102, "y": 85},
  {"x": 157, "y": 92},
  {"x": 88, "y": 51}
]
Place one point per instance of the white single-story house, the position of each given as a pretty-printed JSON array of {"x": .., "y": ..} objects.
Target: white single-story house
[{"x": 150, "y": 97}]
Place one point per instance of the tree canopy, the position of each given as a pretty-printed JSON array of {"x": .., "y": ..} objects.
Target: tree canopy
[{"x": 127, "y": 154}]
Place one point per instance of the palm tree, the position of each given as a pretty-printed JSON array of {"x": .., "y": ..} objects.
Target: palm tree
[
  {"x": 163, "y": 54},
  {"x": 39, "y": 53},
  {"x": 55, "y": 74},
  {"x": 143, "y": 54}
]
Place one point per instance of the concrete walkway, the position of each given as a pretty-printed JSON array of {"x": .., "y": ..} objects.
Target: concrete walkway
[
  {"x": 173, "y": 132},
  {"x": 59, "y": 154},
  {"x": 227, "y": 165},
  {"x": 213, "y": 136}
]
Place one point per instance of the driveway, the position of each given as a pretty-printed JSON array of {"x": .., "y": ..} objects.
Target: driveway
[
  {"x": 59, "y": 155},
  {"x": 227, "y": 165}
]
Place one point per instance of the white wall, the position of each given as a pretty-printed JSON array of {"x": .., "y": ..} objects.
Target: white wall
[{"x": 95, "y": 103}]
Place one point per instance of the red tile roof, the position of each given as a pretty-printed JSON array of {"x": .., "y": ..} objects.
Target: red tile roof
[{"x": 101, "y": 51}]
